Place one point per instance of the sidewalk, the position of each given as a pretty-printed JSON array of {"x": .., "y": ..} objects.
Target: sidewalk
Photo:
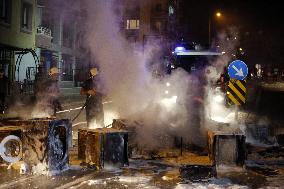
[{"x": 275, "y": 86}]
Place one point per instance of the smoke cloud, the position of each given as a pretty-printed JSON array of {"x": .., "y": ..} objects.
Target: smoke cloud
[
  {"x": 227, "y": 42},
  {"x": 162, "y": 104},
  {"x": 167, "y": 106}
]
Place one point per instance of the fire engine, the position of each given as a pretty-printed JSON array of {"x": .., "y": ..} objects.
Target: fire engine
[{"x": 204, "y": 79}]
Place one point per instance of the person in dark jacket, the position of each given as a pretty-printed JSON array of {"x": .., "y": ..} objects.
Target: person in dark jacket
[
  {"x": 3, "y": 90},
  {"x": 94, "y": 106},
  {"x": 47, "y": 94}
]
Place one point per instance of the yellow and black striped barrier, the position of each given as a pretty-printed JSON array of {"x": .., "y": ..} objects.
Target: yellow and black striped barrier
[{"x": 236, "y": 92}]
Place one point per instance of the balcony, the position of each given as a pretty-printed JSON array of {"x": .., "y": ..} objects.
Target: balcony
[{"x": 43, "y": 37}]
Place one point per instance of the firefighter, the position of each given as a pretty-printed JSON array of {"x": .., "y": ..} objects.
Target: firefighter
[
  {"x": 94, "y": 106},
  {"x": 224, "y": 78},
  {"x": 53, "y": 89},
  {"x": 47, "y": 93},
  {"x": 3, "y": 90}
]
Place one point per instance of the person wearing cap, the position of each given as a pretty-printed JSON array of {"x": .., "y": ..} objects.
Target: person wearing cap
[
  {"x": 94, "y": 106},
  {"x": 47, "y": 94},
  {"x": 3, "y": 90}
]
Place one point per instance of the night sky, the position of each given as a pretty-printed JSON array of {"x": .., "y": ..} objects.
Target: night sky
[{"x": 262, "y": 21}]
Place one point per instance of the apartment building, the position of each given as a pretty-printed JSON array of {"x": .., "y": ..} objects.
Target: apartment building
[
  {"x": 150, "y": 20},
  {"x": 58, "y": 39},
  {"x": 17, "y": 34}
]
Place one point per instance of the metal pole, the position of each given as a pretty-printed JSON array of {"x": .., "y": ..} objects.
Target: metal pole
[
  {"x": 181, "y": 146},
  {"x": 209, "y": 32},
  {"x": 236, "y": 112}
]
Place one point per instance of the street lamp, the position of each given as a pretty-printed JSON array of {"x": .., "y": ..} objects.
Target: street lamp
[{"x": 218, "y": 15}]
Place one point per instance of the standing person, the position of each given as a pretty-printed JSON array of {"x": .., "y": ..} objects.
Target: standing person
[
  {"x": 53, "y": 90},
  {"x": 3, "y": 90},
  {"x": 275, "y": 74},
  {"x": 94, "y": 106},
  {"x": 224, "y": 78},
  {"x": 47, "y": 94}
]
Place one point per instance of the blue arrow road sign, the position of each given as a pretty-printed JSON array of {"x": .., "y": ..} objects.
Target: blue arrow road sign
[{"x": 238, "y": 70}]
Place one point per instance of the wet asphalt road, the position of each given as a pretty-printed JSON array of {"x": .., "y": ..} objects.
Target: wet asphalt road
[{"x": 148, "y": 174}]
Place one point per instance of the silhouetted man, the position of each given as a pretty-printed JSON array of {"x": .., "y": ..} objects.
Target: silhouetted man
[
  {"x": 3, "y": 90},
  {"x": 47, "y": 94},
  {"x": 94, "y": 106}
]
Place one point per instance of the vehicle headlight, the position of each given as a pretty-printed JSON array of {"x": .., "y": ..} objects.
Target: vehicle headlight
[
  {"x": 218, "y": 98},
  {"x": 169, "y": 102}
]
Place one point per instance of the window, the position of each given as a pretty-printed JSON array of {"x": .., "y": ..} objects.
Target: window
[
  {"x": 66, "y": 68},
  {"x": 158, "y": 7},
  {"x": 132, "y": 24},
  {"x": 171, "y": 10},
  {"x": 67, "y": 35},
  {"x": 5, "y": 11},
  {"x": 26, "y": 16},
  {"x": 158, "y": 26}
]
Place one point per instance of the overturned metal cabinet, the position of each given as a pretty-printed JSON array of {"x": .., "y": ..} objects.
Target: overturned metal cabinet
[
  {"x": 103, "y": 147},
  {"x": 260, "y": 133},
  {"x": 47, "y": 143},
  {"x": 227, "y": 148},
  {"x": 132, "y": 128}
]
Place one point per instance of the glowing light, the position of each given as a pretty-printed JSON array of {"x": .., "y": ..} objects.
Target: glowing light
[
  {"x": 223, "y": 52},
  {"x": 179, "y": 49},
  {"x": 216, "y": 107},
  {"x": 109, "y": 116},
  {"x": 218, "y": 98},
  {"x": 166, "y": 92},
  {"x": 168, "y": 84},
  {"x": 40, "y": 114},
  {"x": 240, "y": 49},
  {"x": 218, "y": 14},
  {"x": 219, "y": 119},
  {"x": 169, "y": 102}
]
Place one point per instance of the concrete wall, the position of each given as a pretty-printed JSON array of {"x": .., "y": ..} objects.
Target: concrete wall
[{"x": 11, "y": 34}]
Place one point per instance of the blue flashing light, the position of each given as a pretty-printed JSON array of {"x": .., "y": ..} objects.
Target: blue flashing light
[{"x": 179, "y": 49}]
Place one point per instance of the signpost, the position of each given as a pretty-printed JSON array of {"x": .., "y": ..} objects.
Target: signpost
[
  {"x": 236, "y": 87},
  {"x": 236, "y": 92},
  {"x": 238, "y": 70}
]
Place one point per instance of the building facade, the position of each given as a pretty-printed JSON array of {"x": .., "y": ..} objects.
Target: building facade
[
  {"x": 17, "y": 34},
  {"x": 58, "y": 39},
  {"x": 144, "y": 21}
]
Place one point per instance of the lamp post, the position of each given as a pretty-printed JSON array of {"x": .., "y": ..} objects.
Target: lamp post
[{"x": 218, "y": 15}]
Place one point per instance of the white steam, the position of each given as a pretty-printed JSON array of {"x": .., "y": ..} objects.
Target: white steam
[
  {"x": 227, "y": 42},
  {"x": 129, "y": 82}
]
